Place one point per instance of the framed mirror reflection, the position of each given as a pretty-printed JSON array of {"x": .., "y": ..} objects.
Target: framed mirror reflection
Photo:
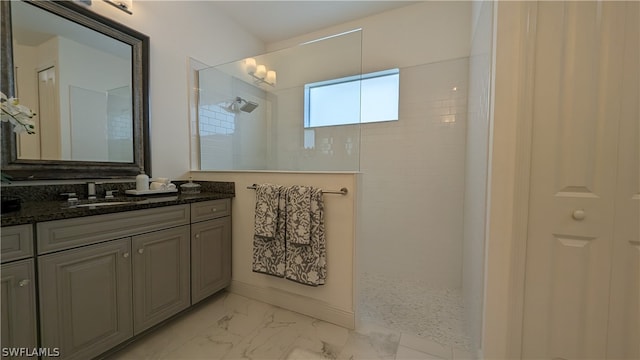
[{"x": 86, "y": 78}]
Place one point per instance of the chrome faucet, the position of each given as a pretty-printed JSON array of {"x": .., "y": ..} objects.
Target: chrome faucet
[
  {"x": 91, "y": 190},
  {"x": 109, "y": 194}
]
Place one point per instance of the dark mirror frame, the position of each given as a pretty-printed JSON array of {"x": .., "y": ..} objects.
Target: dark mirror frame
[{"x": 22, "y": 169}]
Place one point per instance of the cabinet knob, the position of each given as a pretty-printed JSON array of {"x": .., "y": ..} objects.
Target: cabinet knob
[
  {"x": 198, "y": 236},
  {"x": 125, "y": 255},
  {"x": 140, "y": 251},
  {"x": 214, "y": 210},
  {"x": 578, "y": 214},
  {"x": 23, "y": 283}
]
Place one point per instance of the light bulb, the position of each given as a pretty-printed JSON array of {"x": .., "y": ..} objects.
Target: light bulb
[
  {"x": 261, "y": 71},
  {"x": 250, "y": 64},
  {"x": 271, "y": 77}
]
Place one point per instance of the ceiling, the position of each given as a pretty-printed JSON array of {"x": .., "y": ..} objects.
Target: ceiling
[{"x": 273, "y": 21}]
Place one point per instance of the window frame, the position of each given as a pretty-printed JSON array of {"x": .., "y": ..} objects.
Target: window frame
[{"x": 344, "y": 80}]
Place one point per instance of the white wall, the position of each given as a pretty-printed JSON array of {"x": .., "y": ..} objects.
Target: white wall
[
  {"x": 178, "y": 30},
  {"x": 426, "y": 32},
  {"x": 476, "y": 167}
]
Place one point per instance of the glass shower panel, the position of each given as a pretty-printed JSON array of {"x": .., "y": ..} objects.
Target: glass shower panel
[{"x": 250, "y": 120}]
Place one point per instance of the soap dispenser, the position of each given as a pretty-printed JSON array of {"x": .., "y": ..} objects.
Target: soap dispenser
[{"x": 142, "y": 181}]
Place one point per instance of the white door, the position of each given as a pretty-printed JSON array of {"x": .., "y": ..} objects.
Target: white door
[
  {"x": 624, "y": 307},
  {"x": 583, "y": 98},
  {"x": 49, "y": 131}
]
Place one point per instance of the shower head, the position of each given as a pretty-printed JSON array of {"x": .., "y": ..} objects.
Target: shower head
[
  {"x": 248, "y": 106},
  {"x": 240, "y": 104}
]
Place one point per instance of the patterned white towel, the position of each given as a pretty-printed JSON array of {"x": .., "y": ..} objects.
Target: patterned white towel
[
  {"x": 298, "y": 215},
  {"x": 269, "y": 252},
  {"x": 308, "y": 264},
  {"x": 266, "y": 214}
]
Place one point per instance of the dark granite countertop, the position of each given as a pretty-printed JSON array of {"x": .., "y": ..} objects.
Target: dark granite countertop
[
  {"x": 37, "y": 211},
  {"x": 43, "y": 203}
]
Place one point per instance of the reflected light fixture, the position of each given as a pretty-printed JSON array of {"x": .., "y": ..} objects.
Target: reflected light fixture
[
  {"x": 124, "y": 5},
  {"x": 259, "y": 72}
]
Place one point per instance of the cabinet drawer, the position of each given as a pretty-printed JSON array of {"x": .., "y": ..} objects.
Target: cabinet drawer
[
  {"x": 68, "y": 233},
  {"x": 208, "y": 210},
  {"x": 16, "y": 242}
]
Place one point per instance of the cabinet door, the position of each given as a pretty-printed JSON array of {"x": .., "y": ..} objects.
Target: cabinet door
[
  {"x": 18, "y": 305},
  {"x": 210, "y": 257},
  {"x": 160, "y": 275},
  {"x": 85, "y": 299}
]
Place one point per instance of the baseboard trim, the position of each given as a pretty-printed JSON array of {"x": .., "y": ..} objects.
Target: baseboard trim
[{"x": 294, "y": 302}]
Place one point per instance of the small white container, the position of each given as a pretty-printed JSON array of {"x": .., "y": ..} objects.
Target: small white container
[{"x": 142, "y": 181}]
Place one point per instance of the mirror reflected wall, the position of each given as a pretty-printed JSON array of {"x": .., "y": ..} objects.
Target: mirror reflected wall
[
  {"x": 253, "y": 114},
  {"x": 78, "y": 81},
  {"x": 86, "y": 78}
]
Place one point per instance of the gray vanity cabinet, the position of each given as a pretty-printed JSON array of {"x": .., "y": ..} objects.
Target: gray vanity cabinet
[
  {"x": 104, "y": 278},
  {"x": 160, "y": 275},
  {"x": 210, "y": 248},
  {"x": 18, "y": 305},
  {"x": 85, "y": 298}
]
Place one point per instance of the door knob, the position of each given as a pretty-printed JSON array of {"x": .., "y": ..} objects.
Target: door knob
[{"x": 578, "y": 214}]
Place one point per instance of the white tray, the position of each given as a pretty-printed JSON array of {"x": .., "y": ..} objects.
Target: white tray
[{"x": 150, "y": 192}]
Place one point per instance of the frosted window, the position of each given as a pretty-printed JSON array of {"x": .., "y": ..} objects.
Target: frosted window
[{"x": 368, "y": 98}]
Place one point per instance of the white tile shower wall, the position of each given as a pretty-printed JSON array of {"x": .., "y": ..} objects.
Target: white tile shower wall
[
  {"x": 231, "y": 140},
  {"x": 216, "y": 128},
  {"x": 476, "y": 169},
  {"x": 413, "y": 178}
]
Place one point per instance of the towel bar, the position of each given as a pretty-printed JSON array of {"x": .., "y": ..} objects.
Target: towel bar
[{"x": 343, "y": 191}]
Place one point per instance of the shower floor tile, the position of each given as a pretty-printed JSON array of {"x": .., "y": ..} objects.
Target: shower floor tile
[{"x": 436, "y": 315}]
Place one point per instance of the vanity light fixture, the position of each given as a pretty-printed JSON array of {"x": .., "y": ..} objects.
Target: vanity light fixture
[
  {"x": 259, "y": 72},
  {"x": 124, "y": 5}
]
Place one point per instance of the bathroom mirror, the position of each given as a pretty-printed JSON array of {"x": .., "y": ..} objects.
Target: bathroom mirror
[{"x": 86, "y": 77}]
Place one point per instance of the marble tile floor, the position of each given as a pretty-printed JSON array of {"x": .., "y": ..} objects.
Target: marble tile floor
[{"x": 229, "y": 326}]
